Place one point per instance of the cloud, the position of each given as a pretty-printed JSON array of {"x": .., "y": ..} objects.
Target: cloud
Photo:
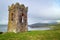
[
  {"x": 38, "y": 11},
  {"x": 48, "y": 10}
]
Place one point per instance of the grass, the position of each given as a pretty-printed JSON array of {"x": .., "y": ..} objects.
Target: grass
[{"x": 32, "y": 35}]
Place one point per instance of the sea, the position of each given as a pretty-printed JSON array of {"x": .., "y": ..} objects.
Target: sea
[{"x": 3, "y": 28}]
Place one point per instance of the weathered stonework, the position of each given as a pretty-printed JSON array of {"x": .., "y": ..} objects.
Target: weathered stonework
[{"x": 17, "y": 18}]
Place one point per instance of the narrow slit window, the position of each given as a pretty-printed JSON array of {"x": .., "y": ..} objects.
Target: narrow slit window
[{"x": 12, "y": 16}]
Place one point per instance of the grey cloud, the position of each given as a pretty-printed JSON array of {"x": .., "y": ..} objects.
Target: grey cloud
[{"x": 37, "y": 10}]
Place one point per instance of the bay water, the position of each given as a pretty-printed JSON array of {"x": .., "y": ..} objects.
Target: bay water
[{"x": 3, "y": 28}]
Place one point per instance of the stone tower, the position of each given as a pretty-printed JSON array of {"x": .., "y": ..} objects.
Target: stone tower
[{"x": 17, "y": 18}]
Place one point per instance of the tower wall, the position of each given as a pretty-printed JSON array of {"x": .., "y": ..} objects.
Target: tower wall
[{"x": 17, "y": 18}]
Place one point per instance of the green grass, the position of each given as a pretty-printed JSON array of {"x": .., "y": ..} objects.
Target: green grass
[{"x": 32, "y": 35}]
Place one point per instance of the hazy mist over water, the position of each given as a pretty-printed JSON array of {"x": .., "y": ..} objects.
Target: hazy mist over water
[{"x": 3, "y": 28}]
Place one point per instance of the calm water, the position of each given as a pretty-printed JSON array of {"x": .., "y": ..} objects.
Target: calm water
[{"x": 3, "y": 28}]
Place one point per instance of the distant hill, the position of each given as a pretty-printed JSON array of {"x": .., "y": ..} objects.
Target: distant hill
[{"x": 36, "y": 25}]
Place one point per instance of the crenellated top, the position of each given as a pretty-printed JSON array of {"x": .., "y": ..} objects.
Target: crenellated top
[{"x": 17, "y": 6}]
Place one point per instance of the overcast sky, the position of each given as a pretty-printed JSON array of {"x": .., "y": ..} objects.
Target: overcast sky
[{"x": 43, "y": 11}]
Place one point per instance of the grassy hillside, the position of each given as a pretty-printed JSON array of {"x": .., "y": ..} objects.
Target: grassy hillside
[{"x": 32, "y": 35}]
